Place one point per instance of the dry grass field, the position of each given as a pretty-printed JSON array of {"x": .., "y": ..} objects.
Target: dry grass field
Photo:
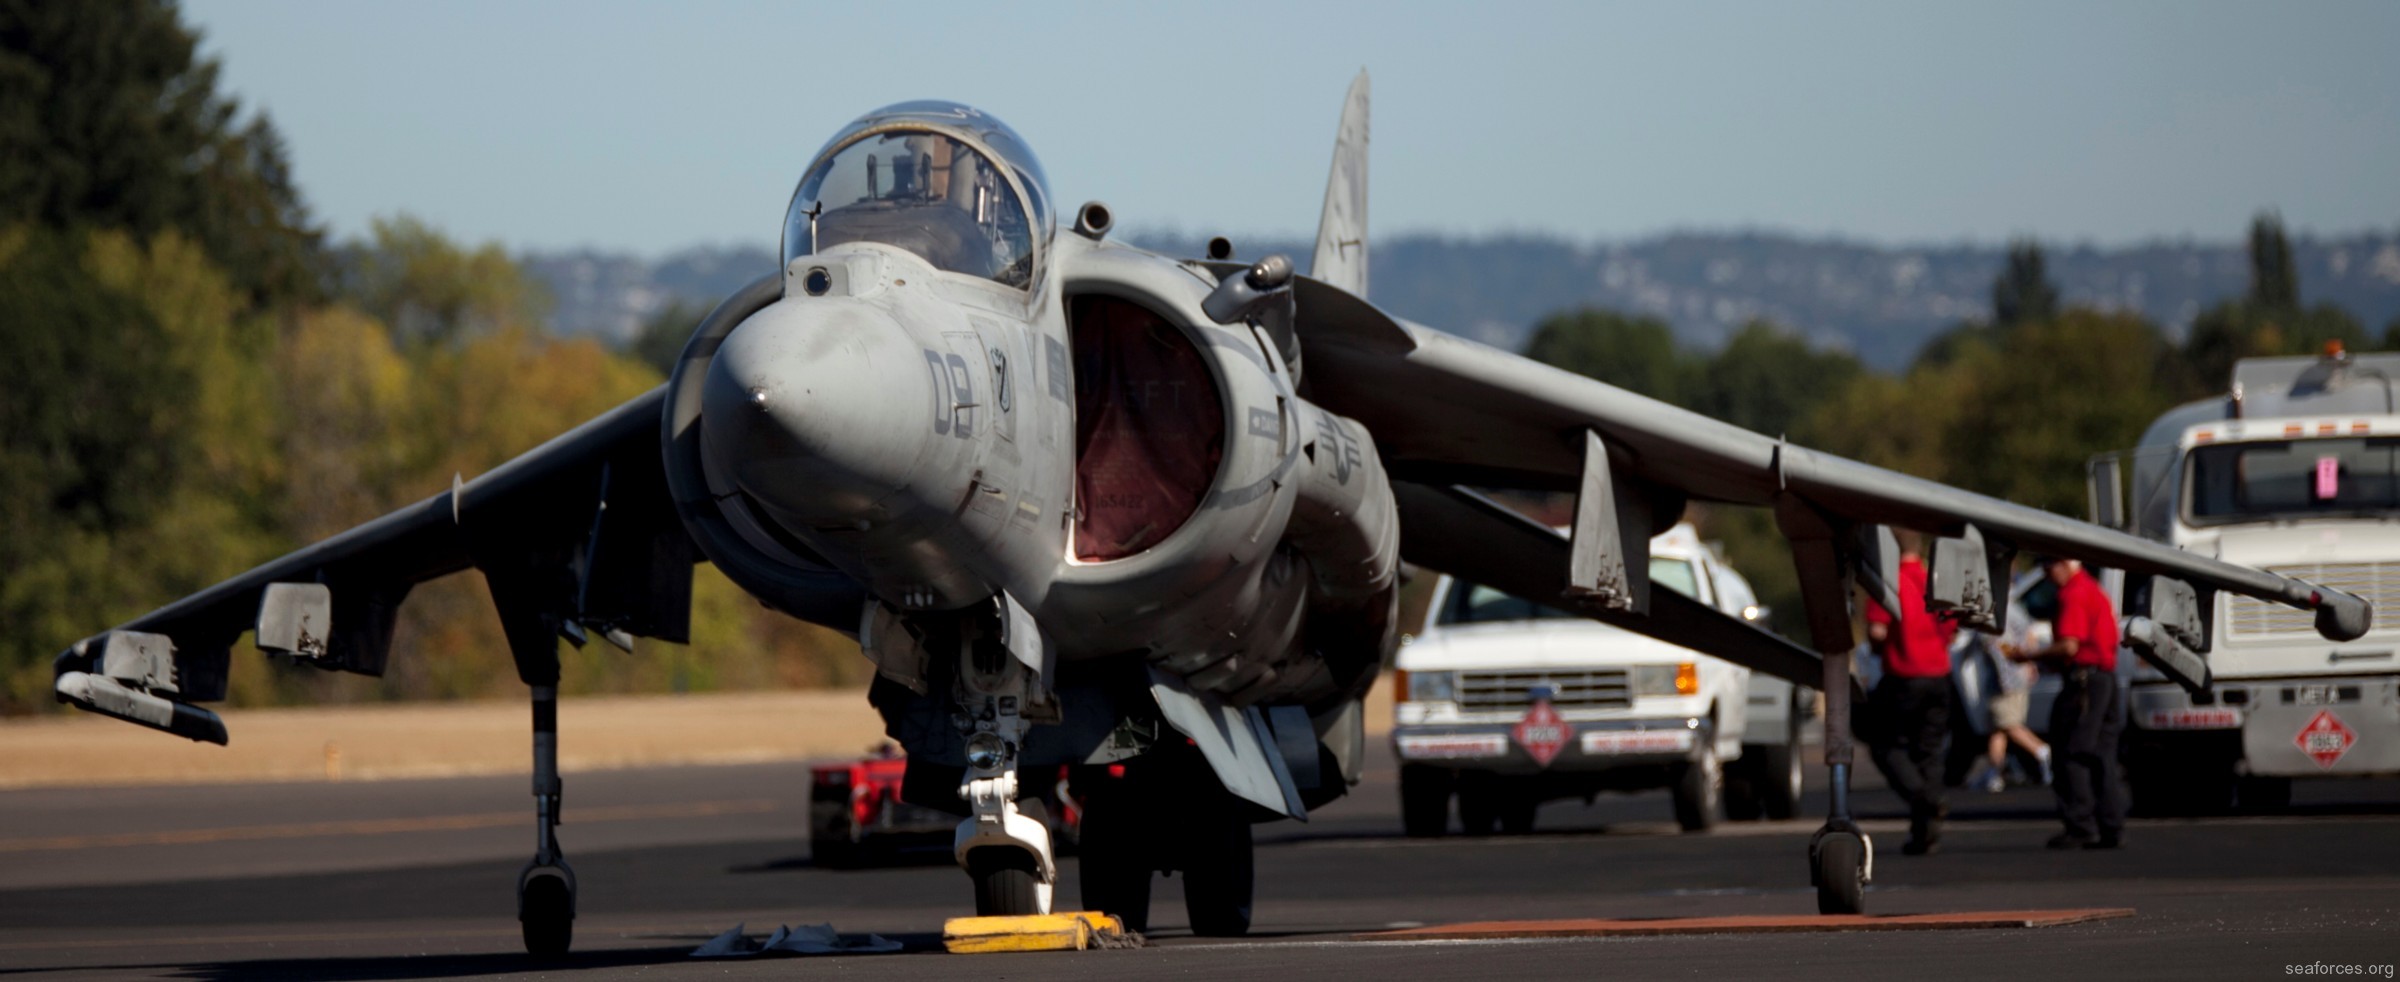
[{"x": 401, "y": 740}]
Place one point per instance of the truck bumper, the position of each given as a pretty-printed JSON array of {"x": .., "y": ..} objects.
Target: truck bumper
[
  {"x": 1590, "y": 746},
  {"x": 2281, "y": 732}
]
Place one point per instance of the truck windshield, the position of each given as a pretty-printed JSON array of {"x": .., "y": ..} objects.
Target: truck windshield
[
  {"x": 2247, "y": 482},
  {"x": 1474, "y": 603}
]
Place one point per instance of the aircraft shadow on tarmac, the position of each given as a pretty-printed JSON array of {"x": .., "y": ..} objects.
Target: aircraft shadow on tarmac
[{"x": 370, "y": 969}]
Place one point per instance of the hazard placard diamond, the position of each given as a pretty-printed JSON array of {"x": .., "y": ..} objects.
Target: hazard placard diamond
[
  {"x": 2326, "y": 738},
  {"x": 1543, "y": 733}
]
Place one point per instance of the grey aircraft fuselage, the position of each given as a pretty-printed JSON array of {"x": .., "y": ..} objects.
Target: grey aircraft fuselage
[{"x": 915, "y": 428}]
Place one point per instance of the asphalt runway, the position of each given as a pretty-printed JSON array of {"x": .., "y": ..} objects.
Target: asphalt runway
[{"x": 413, "y": 880}]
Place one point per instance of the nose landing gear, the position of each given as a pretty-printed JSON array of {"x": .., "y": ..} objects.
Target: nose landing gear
[{"x": 1005, "y": 850}]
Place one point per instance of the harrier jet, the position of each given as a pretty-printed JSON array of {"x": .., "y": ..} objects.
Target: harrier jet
[{"x": 1088, "y": 505}]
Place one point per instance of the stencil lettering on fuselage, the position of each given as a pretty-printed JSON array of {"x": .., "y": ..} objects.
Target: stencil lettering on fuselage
[{"x": 953, "y": 394}]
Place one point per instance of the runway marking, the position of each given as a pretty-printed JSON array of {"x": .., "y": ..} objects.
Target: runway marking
[
  {"x": 1750, "y": 923},
  {"x": 385, "y": 826}
]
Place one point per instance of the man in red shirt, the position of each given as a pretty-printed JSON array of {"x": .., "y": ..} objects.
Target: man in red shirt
[
  {"x": 1911, "y": 703},
  {"x": 2089, "y": 715}
]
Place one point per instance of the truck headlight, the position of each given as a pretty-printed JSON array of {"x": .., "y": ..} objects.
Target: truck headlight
[
  {"x": 1679, "y": 679},
  {"x": 1433, "y": 686}
]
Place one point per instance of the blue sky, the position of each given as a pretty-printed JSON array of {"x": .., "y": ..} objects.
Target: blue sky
[{"x": 650, "y": 126}]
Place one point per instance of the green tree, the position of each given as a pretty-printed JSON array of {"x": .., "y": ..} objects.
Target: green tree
[
  {"x": 2270, "y": 320},
  {"x": 2023, "y": 292},
  {"x": 1768, "y": 379},
  {"x": 2050, "y": 396},
  {"x": 139, "y": 463},
  {"x": 1637, "y": 354},
  {"x": 111, "y": 121},
  {"x": 659, "y": 342},
  {"x": 428, "y": 289},
  {"x": 2274, "y": 283}
]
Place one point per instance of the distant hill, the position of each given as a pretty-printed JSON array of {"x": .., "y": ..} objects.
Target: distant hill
[{"x": 1882, "y": 302}]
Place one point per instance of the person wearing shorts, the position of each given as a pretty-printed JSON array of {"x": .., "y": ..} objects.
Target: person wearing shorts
[{"x": 2008, "y": 703}]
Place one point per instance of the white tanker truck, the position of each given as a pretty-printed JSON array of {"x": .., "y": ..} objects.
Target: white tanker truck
[{"x": 2296, "y": 470}]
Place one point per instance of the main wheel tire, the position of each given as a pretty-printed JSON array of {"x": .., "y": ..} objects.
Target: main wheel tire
[
  {"x": 1841, "y": 874},
  {"x": 1114, "y": 867},
  {"x": 546, "y": 911},
  {"x": 1219, "y": 878},
  {"x": 1424, "y": 801},
  {"x": 1699, "y": 790},
  {"x": 1007, "y": 884}
]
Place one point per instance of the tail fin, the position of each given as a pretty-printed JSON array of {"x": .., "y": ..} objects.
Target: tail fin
[{"x": 1341, "y": 258}]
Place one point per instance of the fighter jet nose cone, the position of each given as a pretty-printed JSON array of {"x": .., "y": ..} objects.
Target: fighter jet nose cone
[{"x": 806, "y": 409}]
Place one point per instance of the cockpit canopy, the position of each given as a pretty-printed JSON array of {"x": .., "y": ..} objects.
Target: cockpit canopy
[{"x": 939, "y": 179}]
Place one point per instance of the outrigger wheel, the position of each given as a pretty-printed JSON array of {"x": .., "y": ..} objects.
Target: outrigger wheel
[
  {"x": 1838, "y": 861},
  {"x": 546, "y": 909}
]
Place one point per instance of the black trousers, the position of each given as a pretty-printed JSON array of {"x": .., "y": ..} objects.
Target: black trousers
[
  {"x": 1912, "y": 718},
  {"x": 2085, "y": 723}
]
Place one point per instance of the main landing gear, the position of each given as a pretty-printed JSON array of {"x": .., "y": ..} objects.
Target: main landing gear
[{"x": 1163, "y": 810}]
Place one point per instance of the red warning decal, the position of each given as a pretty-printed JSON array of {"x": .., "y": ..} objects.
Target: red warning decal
[
  {"x": 1542, "y": 732},
  {"x": 2325, "y": 739}
]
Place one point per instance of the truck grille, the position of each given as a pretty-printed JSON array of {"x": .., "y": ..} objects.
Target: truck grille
[
  {"x": 1604, "y": 689},
  {"x": 2379, "y": 583}
]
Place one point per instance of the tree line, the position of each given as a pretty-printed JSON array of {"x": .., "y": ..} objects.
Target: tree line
[
  {"x": 198, "y": 380},
  {"x": 2011, "y": 405}
]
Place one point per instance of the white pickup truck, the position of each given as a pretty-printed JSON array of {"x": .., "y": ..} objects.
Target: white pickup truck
[{"x": 1505, "y": 704}]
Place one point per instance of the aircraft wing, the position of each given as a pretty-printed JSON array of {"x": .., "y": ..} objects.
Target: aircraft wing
[
  {"x": 578, "y": 533},
  {"x": 1446, "y": 411}
]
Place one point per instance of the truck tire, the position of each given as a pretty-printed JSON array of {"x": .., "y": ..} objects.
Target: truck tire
[
  {"x": 1699, "y": 789},
  {"x": 832, "y": 837},
  {"x": 1424, "y": 801},
  {"x": 1777, "y": 774},
  {"x": 1517, "y": 806},
  {"x": 2264, "y": 795},
  {"x": 2165, "y": 786},
  {"x": 1741, "y": 791},
  {"x": 1478, "y": 807}
]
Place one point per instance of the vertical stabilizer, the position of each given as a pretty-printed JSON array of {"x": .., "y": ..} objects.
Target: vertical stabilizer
[{"x": 1341, "y": 257}]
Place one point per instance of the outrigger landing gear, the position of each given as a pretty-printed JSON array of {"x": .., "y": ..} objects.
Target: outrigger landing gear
[
  {"x": 1841, "y": 859},
  {"x": 1005, "y": 850},
  {"x": 546, "y": 886}
]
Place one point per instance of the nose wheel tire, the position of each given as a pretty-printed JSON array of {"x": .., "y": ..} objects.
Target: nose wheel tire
[
  {"x": 1840, "y": 873},
  {"x": 546, "y": 909},
  {"x": 1006, "y": 882}
]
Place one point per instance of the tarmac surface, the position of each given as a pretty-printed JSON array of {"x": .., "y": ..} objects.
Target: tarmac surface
[{"x": 412, "y": 879}]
